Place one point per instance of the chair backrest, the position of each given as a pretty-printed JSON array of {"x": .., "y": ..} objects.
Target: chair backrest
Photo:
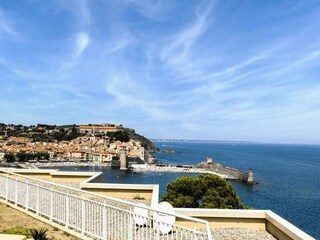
[
  {"x": 140, "y": 214},
  {"x": 164, "y": 222}
]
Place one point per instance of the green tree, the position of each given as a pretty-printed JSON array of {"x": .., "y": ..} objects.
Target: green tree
[
  {"x": 9, "y": 157},
  {"x": 72, "y": 135},
  {"x": 115, "y": 158},
  {"x": 204, "y": 191},
  {"x": 42, "y": 155},
  {"x": 121, "y": 136},
  {"x": 23, "y": 156}
]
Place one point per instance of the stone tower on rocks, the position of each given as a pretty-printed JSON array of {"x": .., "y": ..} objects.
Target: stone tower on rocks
[
  {"x": 250, "y": 177},
  {"x": 123, "y": 158}
]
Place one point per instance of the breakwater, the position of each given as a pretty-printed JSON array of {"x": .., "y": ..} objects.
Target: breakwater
[
  {"x": 232, "y": 173},
  {"x": 215, "y": 169}
]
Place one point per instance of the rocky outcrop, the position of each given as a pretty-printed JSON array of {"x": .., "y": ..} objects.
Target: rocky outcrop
[{"x": 145, "y": 142}]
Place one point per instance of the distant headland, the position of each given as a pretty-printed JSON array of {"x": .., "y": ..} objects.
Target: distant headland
[{"x": 198, "y": 140}]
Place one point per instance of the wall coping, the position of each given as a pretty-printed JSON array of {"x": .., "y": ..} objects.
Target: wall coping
[
  {"x": 78, "y": 174},
  {"x": 222, "y": 213},
  {"x": 36, "y": 170},
  {"x": 287, "y": 227},
  {"x": 117, "y": 186}
]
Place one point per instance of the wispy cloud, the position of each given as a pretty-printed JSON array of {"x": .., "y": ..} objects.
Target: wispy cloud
[
  {"x": 127, "y": 92},
  {"x": 79, "y": 9},
  {"x": 232, "y": 69},
  {"x": 82, "y": 42},
  {"x": 122, "y": 43},
  {"x": 154, "y": 10},
  {"x": 177, "y": 50},
  {"x": 6, "y": 24}
]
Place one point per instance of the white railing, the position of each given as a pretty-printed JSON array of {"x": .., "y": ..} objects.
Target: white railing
[{"x": 94, "y": 215}]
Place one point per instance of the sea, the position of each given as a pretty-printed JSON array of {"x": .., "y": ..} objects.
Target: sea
[{"x": 288, "y": 176}]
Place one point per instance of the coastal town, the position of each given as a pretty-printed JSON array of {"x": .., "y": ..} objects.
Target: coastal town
[
  {"x": 107, "y": 145},
  {"x": 84, "y": 143}
]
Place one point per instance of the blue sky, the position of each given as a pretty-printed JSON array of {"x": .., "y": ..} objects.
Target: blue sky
[{"x": 224, "y": 70}]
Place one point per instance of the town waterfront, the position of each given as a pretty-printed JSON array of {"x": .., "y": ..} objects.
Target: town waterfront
[{"x": 288, "y": 175}]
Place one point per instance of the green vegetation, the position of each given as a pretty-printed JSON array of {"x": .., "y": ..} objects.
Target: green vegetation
[
  {"x": 41, "y": 132},
  {"x": 39, "y": 234},
  {"x": 28, "y": 232},
  {"x": 115, "y": 163},
  {"x": 204, "y": 191},
  {"x": 121, "y": 136},
  {"x": 138, "y": 197},
  {"x": 18, "y": 231},
  {"x": 23, "y": 156},
  {"x": 9, "y": 157},
  {"x": 145, "y": 142},
  {"x": 64, "y": 135},
  {"x": 115, "y": 158},
  {"x": 53, "y": 133}
]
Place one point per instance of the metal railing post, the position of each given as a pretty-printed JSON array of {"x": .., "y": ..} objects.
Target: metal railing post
[
  {"x": 157, "y": 229},
  {"x": 67, "y": 210},
  {"x": 7, "y": 188},
  {"x": 130, "y": 230},
  {"x": 83, "y": 216},
  {"x": 27, "y": 195},
  {"x": 195, "y": 229},
  {"x": 208, "y": 231},
  {"x": 37, "y": 199},
  {"x": 16, "y": 193},
  {"x": 104, "y": 222},
  {"x": 51, "y": 205}
]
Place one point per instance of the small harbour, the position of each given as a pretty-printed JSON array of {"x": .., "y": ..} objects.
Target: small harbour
[{"x": 202, "y": 168}]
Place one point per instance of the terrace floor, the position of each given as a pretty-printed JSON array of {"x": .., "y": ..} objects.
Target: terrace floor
[{"x": 10, "y": 217}]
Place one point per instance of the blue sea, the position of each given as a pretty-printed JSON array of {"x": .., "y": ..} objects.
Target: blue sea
[{"x": 288, "y": 175}]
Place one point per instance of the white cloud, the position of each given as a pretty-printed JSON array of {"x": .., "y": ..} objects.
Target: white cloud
[
  {"x": 78, "y": 8},
  {"x": 154, "y": 9},
  {"x": 82, "y": 42},
  {"x": 6, "y": 25},
  {"x": 117, "y": 46},
  {"x": 131, "y": 94},
  {"x": 177, "y": 51}
]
